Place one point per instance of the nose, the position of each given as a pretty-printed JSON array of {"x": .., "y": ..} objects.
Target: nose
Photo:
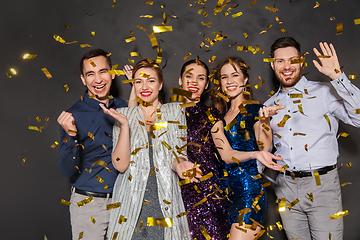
[
  {"x": 98, "y": 78},
  {"x": 144, "y": 85},
  {"x": 287, "y": 64}
]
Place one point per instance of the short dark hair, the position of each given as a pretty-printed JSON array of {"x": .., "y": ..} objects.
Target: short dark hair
[
  {"x": 94, "y": 53},
  {"x": 283, "y": 43}
]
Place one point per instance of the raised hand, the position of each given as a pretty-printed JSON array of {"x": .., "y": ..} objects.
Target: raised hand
[
  {"x": 270, "y": 111},
  {"x": 121, "y": 118},
  {"x": 330, "y": 65},
  {"x": 128, "y": 71},
  {"x": 67, "y": 122},
  {"x": 184, "y": 166},
  {"x": 266, "y": 158}
]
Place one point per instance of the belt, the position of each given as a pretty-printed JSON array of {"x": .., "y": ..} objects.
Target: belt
[
  {"x": 93, "y": 194},
  {"x": 321, "y": 171}
]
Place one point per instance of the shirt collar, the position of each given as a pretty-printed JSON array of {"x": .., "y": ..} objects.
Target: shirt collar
[
  {"x": 300, "y": 86},
  {"x": 93, "y": 103}
]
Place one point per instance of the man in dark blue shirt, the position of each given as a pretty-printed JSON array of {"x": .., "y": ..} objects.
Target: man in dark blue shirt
[{"x": 86, "y": 146}]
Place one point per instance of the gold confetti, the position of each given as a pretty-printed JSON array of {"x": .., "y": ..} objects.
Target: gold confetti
[
  {"x": 149, "y": 2},
  {"x": 93, "y": 220},
  {"x": 182, "y": 214},
  {"x": 317, "y": 5},
  {"x": 293, "y": 203},
  {"x": 317, "y": 178},
  {"x": 81, "y": 235},
  {"x": 85, "y": 45},
  {"x": 310, "y": 197},
  {"x": 357, "y": 111},
  {"x": 99, "y": 179},
  {"x": 348, "y": 164},
  {"x": 91, "y": 136},
  {"x": 269, "y": 59},
  {"x": 46, "y": 72},
  {"x": 92, "y": 33},
  {"x": 29, "y": 56},
  {"x": 34, "y": 128},
  {"x": 344, "y": 184},
  {"x": 257, "y": 176},
  {"x": 146, "y": 202},
  {"x": 267, "y": 29},
  {"x": 167, "y": 202},
  {"x": 278, "y": 135},
  {"x": 280, "y": 227},
  {"x": 207, "y": 176},
  {"x": 114, "y": 3},
  {"x": 206, "y": 24},
  {"x": 180, "y": 91},
  {"x": 59, "y": 39},
  {"x": 265, "y": 127},
  {"x": 11, "y": 72},
  {"x": 160, "y": 29},
  {"x": 146, "y": 16},
  {"x": 117, "y": 73},
  {"x": 339, "y": 214},
  {"x": 66, "y": 87},
  {"x": 328, "y": 120},
  {"x": 246, "y": 35},
  {"x": 205, "y": 233},
  {"x": 230, "y": 125},
  {"x": 283, "y": 30},
  {"x": 113, "y": 206},
  {"x": 141, "y": 225},
  {"x": 162, "y": 222},
  {"x": 130, "y": 39},
  {"x": 283, "y": 168},
  {"x": 115, "y": 235},
  {"x": 353, "y": 77},
  {"x": 236, "y": 15},
  {"x": 54, "y": 144},
  {"x": 259, "y": 84},
  {"x": 65, "y": 202},
  {"x": 252, "y": 3},
  {"x": 278, "y": 20},
  {"x": 166, "y": 145},
  {"x": 200, "y": 202},
  {"x": 283, "y": 121},
  {"x": 153, "y": 40},
  {"x": 306, "y": 147},
  {"x": 189, "y": 104},
  {"x": 85, "y": 201},
  {"x": 282, "y": 205},
  {"x": 266, "y": 185},
  {"x": 297, "y": 134},
  {"x": 184, "y": 182},
  {"x": 130, "y": 177},
  {"x": 122, "y": 219},
  {"x": 357, "y": 21},
  {"x": 66, "y": 26},
  {"x": 271, "y": 9},
  {"x": 339, "y": 28},
  {"x": 92, "y": 63}
]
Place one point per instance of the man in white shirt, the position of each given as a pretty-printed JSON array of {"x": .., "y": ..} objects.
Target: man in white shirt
[{"x": 304, "y": 134}]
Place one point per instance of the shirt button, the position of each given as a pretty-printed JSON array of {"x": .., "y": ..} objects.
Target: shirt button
[
  {"x": 351, "y": 94},
  {"x": 289, "y": 110},
  {"x": 291, "y": 148},
  {"x": 75, "y": 141},
  {"x": 290, "y": 129},
  {"x": 166, "y": 208},
  {"x": 73, "y": 157}
]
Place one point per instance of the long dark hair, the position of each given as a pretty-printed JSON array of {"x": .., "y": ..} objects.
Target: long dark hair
[
  {"x": 218, "y": 101},
  {"x": 149, "y": 63}
]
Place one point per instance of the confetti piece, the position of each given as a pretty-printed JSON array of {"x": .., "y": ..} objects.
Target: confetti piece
[
  {"x": 166, "y": 145},
  {"x": 230, "y": 125},
  {"x": 280, "y": 227},
  {"x": 259, "y": 84},
  {"x": 59, "y": 39},
  {"x": 348, "y": 164},
  {"x": 344, "y": 184},
  {"x": 283, "y": 121},
  {"x": 91, "y": 136},
  {"x": 353, "y": 76},
  {"x": 117, "y": 72},
  {"x": 269, "y": 59},
  {"x": 317, "y": 178},
  {"x": 306, "y": 147},
  {"x": 236, "y": 15},
  {"x": 180, "y": 91},
  {"x": 149, "y": 2},
  {"x": 200, "y": 202},
  {"x": 114, "y": 3},
  {"x": 162, "y": 222},
  {"x": 135, "y": 151},
  {"x": 146, "y": 16},
  {"x": 130, "y": 177},
  {"x": 278, "y": 20},
  {"x": 81, "y": 235},
  {"x": 182, "y": 214},
  {"x": 29, "y": 56},
  {"x": 339, "y": 214},
  {"x": 122, "y": 219},
  {"x": 357, "y": 111},
  {"x": 184, "y": 182},
  {"x": 271, "y": 9},
  {"x": 293, "y": 203},
  {"x": 339, "y": 28},
  {"x": 167, "y": 202},
  {"x": 328, "y": 120},
  {"x": 66, "y": 26},
  {"x": 143, "y": 103},
  {"x": 54, "y": 144},
  {"x": 65, "y": 202},
  {"x": 85, "y": 45},
  {"x": 99, "y": 179},
  {"x": 317, "y": 5},
  {"x": 11, "y": 72},
  {"x": 34, "y": 128},
  {"x": 93, "y": 220},
  {"x": 153, "y": 40},
  {"x": 357, "y": 21},
  {"x": 252, "y": 3},
  {"x": 115, "y": 235},
  {"x": 207, "y": 176},
  {"x": 92, "y": 33},
  {"x": 257, "y": 176},
  {"x": 160, "y": 29},
  {"x": 267, "y": 29},
  {"x": 130, "y": 39},
  {"x": 46, "y": 72},
  {"x": 66, "y": 87},
  {"x": 85, "y": 201},
  {"x": 282, "y": 205},
  {"x": 23, "y": 161},
  {"x": 141, "y": 226},
  {"x": 206, "y": 24},
  {"x": 205, "y": 233}
]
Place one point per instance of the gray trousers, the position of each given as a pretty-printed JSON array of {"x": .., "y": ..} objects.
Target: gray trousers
[
  {"x": 80, "y": 217},
  {"x": 311, "y": 220}
]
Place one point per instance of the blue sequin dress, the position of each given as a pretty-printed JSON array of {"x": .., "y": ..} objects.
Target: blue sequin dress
[{"x": 241, "y": 176}]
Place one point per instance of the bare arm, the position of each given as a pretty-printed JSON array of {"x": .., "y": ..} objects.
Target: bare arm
[
  {"x": 228, "y": 154},
  {"x": 128, "y": 73},
  {"x": 121, "y": 154}
]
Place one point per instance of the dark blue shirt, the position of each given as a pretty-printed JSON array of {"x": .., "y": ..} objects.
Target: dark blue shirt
[{"x": 78, "y": 154}]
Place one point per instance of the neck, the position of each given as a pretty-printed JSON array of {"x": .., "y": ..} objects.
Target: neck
[{"x": 235, "y": 102}]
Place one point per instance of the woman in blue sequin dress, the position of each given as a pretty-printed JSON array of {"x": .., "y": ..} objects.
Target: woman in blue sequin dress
[
  {"x": 209, "y": 217},
  {"x": 241, "y": 139}
]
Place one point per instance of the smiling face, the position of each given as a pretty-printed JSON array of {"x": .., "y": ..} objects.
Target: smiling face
[
  {"x": 147, "y": 85},
  {"x": 232, "y": 81},
  {"x": 287, "y": 73},
  {"x": 97, "y": 79},
  {"x": 194, "y": 81}
]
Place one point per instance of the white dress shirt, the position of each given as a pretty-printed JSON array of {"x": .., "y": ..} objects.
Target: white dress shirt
[{"x": 307, "y": 140}]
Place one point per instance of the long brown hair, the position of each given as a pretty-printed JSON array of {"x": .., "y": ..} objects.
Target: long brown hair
[
  {"x": 149, "y": 63},
  {"x": 218, "y": 101}
]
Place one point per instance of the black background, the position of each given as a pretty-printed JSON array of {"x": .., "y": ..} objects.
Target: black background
[{"x": 31, "y": 193}]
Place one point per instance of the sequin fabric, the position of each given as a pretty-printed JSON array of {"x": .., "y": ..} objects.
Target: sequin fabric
[
  {"x": 241, "y": 176},
  {"x": 211, "y": 214}
]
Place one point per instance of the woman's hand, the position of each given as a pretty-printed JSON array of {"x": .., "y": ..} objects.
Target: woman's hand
[
  {"x": 266, "y": 158},
  {"x": 121, "y": 118},
  {"x": 185, "y": 166}
]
